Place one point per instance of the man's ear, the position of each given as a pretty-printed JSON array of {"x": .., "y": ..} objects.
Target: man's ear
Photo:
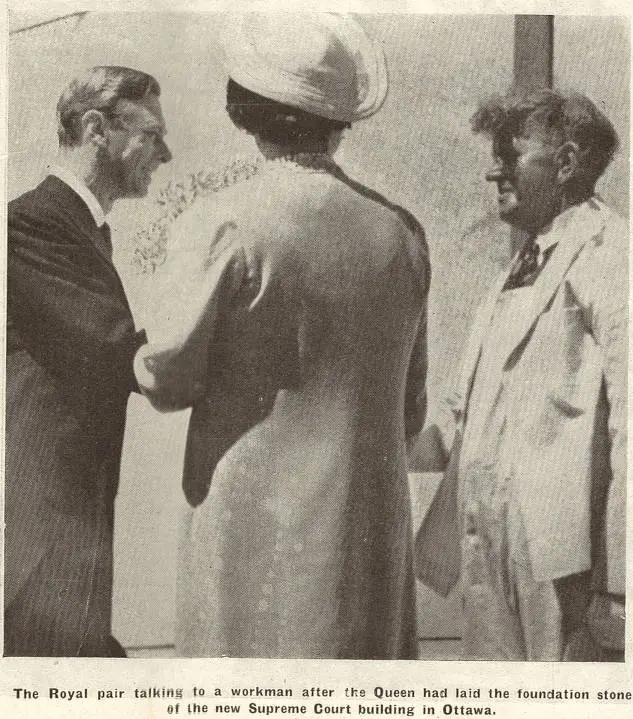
[
  {"x": 93, "y": 128},
  {"x": 567, "y": 160}
]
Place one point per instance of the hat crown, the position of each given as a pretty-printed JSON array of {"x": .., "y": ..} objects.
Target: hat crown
[
  {"x": 293, "y": 45},
  {"x": 319, "y": 62}
]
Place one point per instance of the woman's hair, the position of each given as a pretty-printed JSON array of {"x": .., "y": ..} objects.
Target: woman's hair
[{"x": 275, "y": 122}]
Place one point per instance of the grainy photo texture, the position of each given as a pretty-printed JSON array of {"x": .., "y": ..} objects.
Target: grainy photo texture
[{"x": 316, "y": 336}]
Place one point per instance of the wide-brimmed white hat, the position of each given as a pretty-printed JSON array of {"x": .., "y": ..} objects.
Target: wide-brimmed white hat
[{"x": 323, "y": 63}]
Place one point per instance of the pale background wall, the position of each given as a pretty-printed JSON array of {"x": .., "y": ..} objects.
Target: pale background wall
[{"x": 418, "y": 150}]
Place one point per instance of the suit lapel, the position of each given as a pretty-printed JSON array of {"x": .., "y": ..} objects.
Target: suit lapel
[
  {"x": 71, "y": 205},
  {"x": 478, "y": 333},
  {"x": 573, "y": 230}
]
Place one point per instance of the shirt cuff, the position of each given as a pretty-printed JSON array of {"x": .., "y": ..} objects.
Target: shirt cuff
[{"x": 144, "y": 366}]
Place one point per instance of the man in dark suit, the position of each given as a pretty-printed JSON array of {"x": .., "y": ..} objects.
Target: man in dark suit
[{"x": 71, "y": 343}]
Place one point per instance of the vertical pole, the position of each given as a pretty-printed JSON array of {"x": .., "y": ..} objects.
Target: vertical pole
[
  {"x": 533, "y": 67},
  {"x": 533, "y": 51}
]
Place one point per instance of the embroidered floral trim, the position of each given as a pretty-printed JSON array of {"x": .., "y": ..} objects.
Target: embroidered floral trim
[
  {"x": 152, "y": 242},
  {"x": 175, "y": 198}
]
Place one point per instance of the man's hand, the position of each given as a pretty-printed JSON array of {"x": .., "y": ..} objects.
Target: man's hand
[{"x": 606, "y": 620}]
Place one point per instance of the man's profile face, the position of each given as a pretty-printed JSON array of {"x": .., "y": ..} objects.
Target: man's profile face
[
  {"x": 136, "y": 145},
  {"x": 525, "y": 171}
]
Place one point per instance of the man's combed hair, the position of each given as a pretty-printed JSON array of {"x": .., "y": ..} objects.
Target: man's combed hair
[
  {"x": 559, "y": 116},
  {"x": 274, "y": 121},
  {"x": 100, "y": 88}
]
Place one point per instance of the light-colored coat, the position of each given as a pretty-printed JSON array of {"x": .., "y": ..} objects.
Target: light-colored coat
[
  {"x": 311, "y": 374},
  {"x": 566, "y": 384}
]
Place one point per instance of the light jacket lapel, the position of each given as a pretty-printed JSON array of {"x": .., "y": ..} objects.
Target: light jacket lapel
[
  {"x": 573, "y": 229},
  {"x": 481, "y": 323}
]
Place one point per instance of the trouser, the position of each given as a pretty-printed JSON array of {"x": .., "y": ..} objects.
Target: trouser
[
  {"x": 508, "y": 614},
  {"x": 64, "y": 607}
]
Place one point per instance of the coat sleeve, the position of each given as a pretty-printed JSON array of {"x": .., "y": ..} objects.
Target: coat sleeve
[
  {"x": 64, "y": 308},
  {"x": 415, "y": 398},
  {"x": 172, "y": 370},
  {"x": 610, "y": 330}
]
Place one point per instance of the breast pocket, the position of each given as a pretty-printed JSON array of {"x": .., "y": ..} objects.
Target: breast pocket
[
  {"x": 573, "y": 338},
  {"x": 569, "y": 390},
  {"x": 567, "y": 383}
]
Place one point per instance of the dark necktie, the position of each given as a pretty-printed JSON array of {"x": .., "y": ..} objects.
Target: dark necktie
[
  {"x": 103, "y": 241},
  {"x": 526, "y": 268}
]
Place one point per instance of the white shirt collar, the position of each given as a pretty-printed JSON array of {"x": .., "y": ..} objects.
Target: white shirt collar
[
  {"x": 82, "y": 190},
  {"x": 560, "y": 227}
]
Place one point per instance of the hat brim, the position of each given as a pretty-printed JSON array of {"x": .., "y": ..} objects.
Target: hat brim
[{"x": 285, "y": 85}]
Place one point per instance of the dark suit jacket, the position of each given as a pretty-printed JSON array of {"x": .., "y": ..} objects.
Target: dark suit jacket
[{"x": 70, "y": 348}]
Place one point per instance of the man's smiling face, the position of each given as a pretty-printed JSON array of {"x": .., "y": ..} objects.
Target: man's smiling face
[{"x": 137, "y": 146}]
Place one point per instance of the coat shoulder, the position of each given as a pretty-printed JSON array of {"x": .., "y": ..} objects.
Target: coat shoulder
[
  {"x": 616, "y": 236},
  {"x": 30, "y": 204},
  {"x": 600, "y": 274},
  {"x": 606, "y": 254},
  {"x": 52, "y": 211},
  {"x": 313, "y": 191},
  {"x": 404, "y": 216},
  {"x": 400, "y": 223},
  {"x": 40, "y": 200}
]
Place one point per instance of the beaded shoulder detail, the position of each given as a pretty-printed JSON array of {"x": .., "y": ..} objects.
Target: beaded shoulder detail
[{"x": 302, "y": 161}]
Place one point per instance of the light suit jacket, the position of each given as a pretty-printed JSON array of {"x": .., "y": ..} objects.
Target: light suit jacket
[{"x": 566, "y": 384}]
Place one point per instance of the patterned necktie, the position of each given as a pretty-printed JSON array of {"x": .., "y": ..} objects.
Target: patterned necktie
[
  {"x": 104, "y": 241},
  {"x": 527, "y": 266}
]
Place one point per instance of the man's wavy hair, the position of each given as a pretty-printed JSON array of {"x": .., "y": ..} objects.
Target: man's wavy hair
[
  {"x": 560, "y": 117},
  {"x": 99, "y": 88}
]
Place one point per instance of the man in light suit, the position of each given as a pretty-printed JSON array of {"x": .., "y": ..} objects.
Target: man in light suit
[
  {"x": 535, "y": 492},
  {"x": 71, "y": 342}
]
